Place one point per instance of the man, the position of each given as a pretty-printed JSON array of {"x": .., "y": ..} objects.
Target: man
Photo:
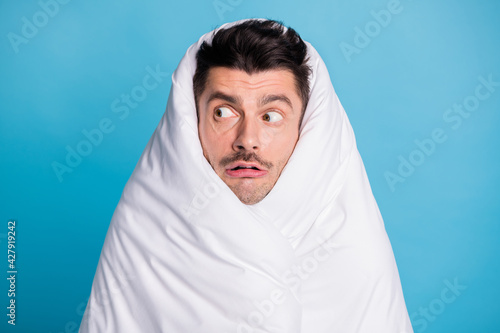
[{"x": 249, "y": 210}]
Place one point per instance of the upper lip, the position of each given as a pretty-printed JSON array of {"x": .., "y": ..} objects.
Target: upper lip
[{"x": 244, "y": 164}]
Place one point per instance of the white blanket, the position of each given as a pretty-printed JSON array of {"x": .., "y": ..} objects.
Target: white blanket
[{"x": 183, "y": 254}]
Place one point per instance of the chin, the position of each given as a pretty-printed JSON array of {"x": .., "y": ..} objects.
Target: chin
[
  {"x": 249, "y": 198},
  {"x": 250, "y": 195}
]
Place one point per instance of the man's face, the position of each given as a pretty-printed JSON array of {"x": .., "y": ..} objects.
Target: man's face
[{"x": 248, "y": 127}]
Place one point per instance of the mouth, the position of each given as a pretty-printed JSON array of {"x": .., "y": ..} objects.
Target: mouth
[{"x": 245, "y": 170}]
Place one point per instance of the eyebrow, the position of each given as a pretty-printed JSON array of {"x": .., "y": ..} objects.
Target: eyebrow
[
  {"x": 237, "y": 100},
  {"x": 271, "y": 98},
  {"x": 224, "y": 97}
]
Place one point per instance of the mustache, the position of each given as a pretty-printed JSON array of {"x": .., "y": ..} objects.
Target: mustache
[{"x": 247, "y": 157}]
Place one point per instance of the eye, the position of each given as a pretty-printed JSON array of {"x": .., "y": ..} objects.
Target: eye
[
  {"x": 272, "y": 117},
  {"x": 224, "y": 112}
]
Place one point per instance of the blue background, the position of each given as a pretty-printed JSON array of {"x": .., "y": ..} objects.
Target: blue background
[{"x": 443, "y": 219}]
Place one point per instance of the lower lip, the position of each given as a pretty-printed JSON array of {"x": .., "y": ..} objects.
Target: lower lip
[{"x": 245, "y": 173}]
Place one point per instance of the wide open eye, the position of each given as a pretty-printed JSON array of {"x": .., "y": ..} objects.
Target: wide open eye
[
  {"x": 223, "y": 112},
  {"x": 272, "y": 117}
]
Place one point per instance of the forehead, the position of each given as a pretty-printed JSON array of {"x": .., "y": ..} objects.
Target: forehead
[{"x": 228, "y": 80}]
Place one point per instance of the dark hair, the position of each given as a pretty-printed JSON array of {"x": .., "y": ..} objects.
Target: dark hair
[{"x": 254, "y": 46}]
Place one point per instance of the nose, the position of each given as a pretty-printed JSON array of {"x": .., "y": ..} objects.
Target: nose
[{"x": 247, "y": 137}]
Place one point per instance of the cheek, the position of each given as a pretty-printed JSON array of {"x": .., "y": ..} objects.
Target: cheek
[
  {"x": 215, "y": 145},
  {"x": 280, "y": 142},
  {"x": 206, "y": 139}
]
